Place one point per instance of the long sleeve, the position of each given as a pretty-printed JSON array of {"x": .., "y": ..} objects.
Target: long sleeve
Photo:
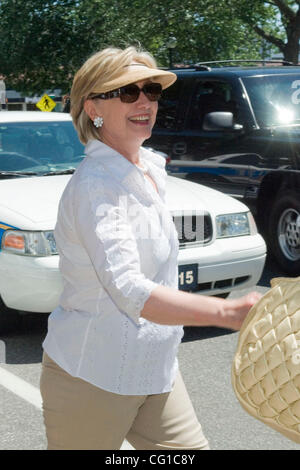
[{"x": 107, "y": 236}]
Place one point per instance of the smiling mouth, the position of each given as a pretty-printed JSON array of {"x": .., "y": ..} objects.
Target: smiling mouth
[{"x": 144, "y": 118}]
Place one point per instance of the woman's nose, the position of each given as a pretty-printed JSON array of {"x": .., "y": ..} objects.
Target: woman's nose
[{"x": 143, "y": 100}]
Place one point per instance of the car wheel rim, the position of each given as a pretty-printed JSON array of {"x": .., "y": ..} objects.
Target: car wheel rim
[{"x": 289, "y": 234}]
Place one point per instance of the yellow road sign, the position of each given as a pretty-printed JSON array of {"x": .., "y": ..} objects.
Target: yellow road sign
[{"x": 46, "y": 103}]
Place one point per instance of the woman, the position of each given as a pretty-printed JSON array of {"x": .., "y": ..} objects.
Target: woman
[{"x": 109, "y": 367}]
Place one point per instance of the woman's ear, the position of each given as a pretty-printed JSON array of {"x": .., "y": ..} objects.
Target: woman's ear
[{"x": 89, "y": 108}]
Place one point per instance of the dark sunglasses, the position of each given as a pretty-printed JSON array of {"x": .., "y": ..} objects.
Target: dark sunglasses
[{"x": 130, "y": 93}]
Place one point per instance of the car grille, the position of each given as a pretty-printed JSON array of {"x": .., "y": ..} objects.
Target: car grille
[{"x": 193, "y": 229}]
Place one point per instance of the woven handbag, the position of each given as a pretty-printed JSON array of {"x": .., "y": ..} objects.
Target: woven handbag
[{"x": 266, "y": 366}]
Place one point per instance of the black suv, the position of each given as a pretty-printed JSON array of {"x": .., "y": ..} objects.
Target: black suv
[{"x": 237, "y": 129}]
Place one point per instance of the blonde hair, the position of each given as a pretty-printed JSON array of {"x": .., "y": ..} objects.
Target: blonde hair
[{"x": 100, "y": 68}]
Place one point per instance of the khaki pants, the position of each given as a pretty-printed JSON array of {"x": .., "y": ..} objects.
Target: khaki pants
[{"x": 78, "y": 415}]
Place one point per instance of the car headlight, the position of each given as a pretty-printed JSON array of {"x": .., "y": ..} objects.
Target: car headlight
[
  {"x": 235, "y": 225},
  {"x": 29, "y": 243}
]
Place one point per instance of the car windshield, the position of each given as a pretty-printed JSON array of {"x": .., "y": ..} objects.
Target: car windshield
[
  {"x": 275, "y": 99},
  {"x": 39, "y": 148}
]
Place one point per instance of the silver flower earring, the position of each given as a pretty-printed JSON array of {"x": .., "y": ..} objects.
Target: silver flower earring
[{"x": 98, "y": 121}]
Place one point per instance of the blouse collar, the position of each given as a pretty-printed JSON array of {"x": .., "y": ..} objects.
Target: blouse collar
[{"x": 125, "y": 171}]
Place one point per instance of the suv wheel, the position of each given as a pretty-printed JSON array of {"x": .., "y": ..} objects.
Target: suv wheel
[{"x": 284, "y": 231}]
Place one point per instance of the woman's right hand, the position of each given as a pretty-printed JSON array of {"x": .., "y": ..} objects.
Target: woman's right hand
[
  {"x": 173, "y": 307},
  {"x": 236, "y": 310}
]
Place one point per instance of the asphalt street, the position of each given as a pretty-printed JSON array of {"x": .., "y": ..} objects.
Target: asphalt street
[{"x": 205, "y": 358}]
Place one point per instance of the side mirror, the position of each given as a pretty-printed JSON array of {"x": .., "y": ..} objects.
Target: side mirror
[{"x": 218, "y": 121}]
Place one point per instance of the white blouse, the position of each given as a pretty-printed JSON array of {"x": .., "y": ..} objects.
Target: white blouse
[{"x": 117, "y": 242}]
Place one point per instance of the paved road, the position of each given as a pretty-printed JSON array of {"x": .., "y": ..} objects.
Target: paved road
[{"x": 205, "y": 358}]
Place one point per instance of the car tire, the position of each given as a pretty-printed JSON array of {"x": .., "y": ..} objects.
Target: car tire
[
  {"x": 284, "y": 231},
  {"x": 9, "y": 319}
]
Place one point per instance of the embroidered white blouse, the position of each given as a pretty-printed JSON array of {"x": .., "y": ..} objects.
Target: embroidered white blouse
[{"x": 117, "y": 242}]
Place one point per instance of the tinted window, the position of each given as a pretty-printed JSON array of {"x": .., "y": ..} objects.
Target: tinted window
[
  {"x": 211, "y": 96},
  {"x": 39, "y": 146},
  {"x": 275, "y": 99},
  {"x": 168, "y": 106}
]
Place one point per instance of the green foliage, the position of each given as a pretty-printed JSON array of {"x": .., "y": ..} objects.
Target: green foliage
[
  {"x": 38, "y": 47},
  {"x": 277, "y": 22},
  {"x": 43, "y": 42}
]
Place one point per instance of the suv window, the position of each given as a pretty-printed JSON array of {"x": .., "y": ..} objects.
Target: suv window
[
  {"x": 211, "y": 96},
  {"x": 274, "y": 98},
  {"x": 168, "y": 106}
]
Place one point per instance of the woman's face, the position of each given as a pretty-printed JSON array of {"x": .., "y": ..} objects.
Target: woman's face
[{"x": 125, "y": 124}]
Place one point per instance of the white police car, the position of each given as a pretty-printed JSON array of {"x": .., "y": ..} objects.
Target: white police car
[{"x": 220, "y": 249}]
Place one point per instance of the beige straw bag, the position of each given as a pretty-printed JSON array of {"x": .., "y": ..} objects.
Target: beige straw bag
[{"x": 266, "y": 366}]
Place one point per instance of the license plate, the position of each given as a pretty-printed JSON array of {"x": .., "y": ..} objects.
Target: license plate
[{"x": 188, "y": 277}]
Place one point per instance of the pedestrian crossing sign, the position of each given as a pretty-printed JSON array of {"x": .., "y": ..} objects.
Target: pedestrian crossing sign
[{"x": 46, "y": 103}]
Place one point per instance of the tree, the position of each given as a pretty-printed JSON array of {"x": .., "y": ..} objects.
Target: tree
[
  {"x": 290, "y": 17},
  {"x": 275, "y": 21},
  {"x": 41, "y": 43},
  {"x": 198, "y": 26}
]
